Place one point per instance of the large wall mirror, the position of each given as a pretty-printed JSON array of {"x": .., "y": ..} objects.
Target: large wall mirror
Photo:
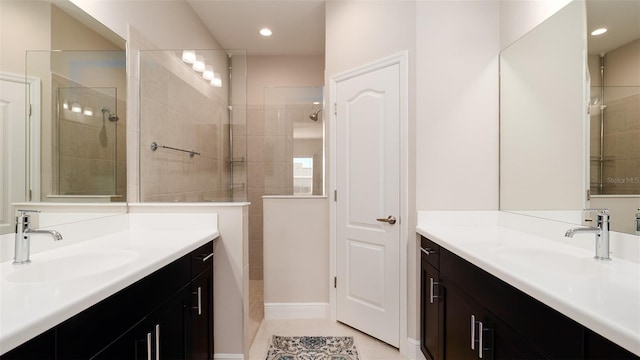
[
  {"x": 65, "y": 141},
  {"x": 570, "y": 116}
]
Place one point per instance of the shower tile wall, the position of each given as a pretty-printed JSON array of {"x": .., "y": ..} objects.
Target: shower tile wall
[
  {"x": 92, "y": 152},
  {"x": 621, "y": 165},
  {"x": 180, "y": 110}
]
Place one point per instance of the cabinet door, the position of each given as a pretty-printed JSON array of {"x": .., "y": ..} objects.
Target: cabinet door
[
  {"x": 201, "y": 324},
  {"x": 460, "y": 336},
  {"x": 162, "y": 335},
  {"x": 430, "y": 321}
]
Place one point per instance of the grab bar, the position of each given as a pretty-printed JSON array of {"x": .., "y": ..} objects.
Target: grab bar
[{"x": 155, "y": 146}]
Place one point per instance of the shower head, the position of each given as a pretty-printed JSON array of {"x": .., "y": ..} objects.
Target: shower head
[
  {"x": 314, "y": 116},
  {"x": 112, "y": 117}
]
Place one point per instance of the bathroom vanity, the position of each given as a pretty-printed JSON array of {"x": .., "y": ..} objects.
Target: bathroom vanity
[
  {"x": 132, "y": 294},
  {"x": 494, "y": 293}
]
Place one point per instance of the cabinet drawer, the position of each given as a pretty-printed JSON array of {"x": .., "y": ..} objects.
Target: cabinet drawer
[
  {"x": 201, "y": 259},
  {"x": 431, "y": 251}
]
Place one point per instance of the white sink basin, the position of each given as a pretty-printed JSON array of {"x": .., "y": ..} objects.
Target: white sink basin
[
  {"x": 543, "y": 260},
  {"x": 71, "y": 266}
]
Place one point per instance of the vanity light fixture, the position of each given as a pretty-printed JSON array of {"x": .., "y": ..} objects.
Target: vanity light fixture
[
  {"x": 208, "y": 73},
  {"x": 217, "y": 80},
  {"x": 76, "y": 108},
  {"x": 189, "y": 56},
  {"x": 265, "y": 32},
  {"x": 599, "y": 31},
  {"x": 199, "y": 65},
  {"x": 88, "y": 111}
]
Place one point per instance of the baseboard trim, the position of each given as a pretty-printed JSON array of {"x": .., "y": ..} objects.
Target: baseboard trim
[
  {"x": 413, "y": 350},
  {"x": 296, "y": 311},
  {"x": 228, "y": 356}
]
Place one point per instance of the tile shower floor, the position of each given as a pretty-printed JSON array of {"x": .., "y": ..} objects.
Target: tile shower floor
[{"x": 263, "y": 330}]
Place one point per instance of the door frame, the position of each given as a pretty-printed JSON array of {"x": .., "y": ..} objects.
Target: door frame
[
  {"x": 401, "y": 59},
  {"x": 32, "y": 140}
]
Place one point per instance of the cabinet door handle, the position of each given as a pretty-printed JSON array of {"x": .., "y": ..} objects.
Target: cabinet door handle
[
  {"x": 157, "y": 341},
  {"x": 480, "y": 330},
  {"x": 473, "y": 332},
  {"x": 431, "y": 296},
  {"x": 207, "y": 257},
  {"x": 199, "y": 307},
  {"x": 427, "y": 251},
  {"x": 148, "y": 346}
]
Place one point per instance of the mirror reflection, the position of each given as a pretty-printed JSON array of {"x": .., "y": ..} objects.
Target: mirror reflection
[
  {"x": 36, "y": 145},
  {"x": 558, "y": 156},
  {"x": 82, "y": 148}
]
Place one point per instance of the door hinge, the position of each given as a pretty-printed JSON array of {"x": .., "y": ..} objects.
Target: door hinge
[
  {"x": 335, "y": 108},
  {"x": 335, "y": 282},
  {"x": 30, "y": 195},
  {"x": 29, "y": 109},
  {"x": 335, "y": 195}
]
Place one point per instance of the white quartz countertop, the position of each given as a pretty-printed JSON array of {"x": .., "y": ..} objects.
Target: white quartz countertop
[
  {"x": 602, "y": 296},
  {"x": 81, "y": 275}
]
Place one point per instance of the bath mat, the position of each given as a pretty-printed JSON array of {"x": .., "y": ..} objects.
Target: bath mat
[{"x": 312, "y": 348}]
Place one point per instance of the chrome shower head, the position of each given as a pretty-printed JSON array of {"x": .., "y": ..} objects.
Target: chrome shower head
[
  {"x": 112, "y": 117},
  {"x": 314, "y": 116}
]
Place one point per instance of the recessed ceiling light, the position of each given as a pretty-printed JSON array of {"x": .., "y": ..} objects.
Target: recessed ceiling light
[
  {"x": 600, "y": 31},
  {"x": 265, "y": 32}
]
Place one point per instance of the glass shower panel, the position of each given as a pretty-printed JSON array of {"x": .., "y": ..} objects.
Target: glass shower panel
[
  {"x": 293, "y": 156},
  {"x": 190, "y": 126}
]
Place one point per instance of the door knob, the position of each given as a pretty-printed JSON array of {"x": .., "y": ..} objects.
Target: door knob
[{"x": 390, "y": 219}]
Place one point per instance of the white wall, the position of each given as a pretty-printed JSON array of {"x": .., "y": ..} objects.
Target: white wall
[
  {"x": 296, "y": 251},
  {"x": 457, "y": 110},
  {"x": 519, "y": 17},
  {"x": 168, "y": 24}
]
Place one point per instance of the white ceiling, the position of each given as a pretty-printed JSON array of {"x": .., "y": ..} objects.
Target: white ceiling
[{"x": 297, "y": 25}]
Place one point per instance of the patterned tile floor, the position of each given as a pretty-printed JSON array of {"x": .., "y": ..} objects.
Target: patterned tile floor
[{"x": 368, "y": 347}]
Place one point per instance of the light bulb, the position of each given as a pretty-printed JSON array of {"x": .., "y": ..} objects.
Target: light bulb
[
  {"x": 88, "y": 111},
  {"x": 265, "y": 32},
  {"x": 208, "y": 72},
  {"x": 217, "y": 80},
  {"x": 76, "y": 108},
  {"x": 65, "y": 105},
  {"x": 188, "y": 56},
  {"x": 199, "y": 65}
]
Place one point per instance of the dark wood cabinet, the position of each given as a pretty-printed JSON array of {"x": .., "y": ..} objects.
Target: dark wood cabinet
[
  {"x": 482, "y": 317},
  {"x": 201, "y": 310},
  {"x": 166, "y": 315},
  {"x": 431, "y": 308}
]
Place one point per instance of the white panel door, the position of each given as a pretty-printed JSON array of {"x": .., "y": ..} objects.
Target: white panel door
[
  {"x": 12, "y": 149},
  {"x": 368, "y": 193}
]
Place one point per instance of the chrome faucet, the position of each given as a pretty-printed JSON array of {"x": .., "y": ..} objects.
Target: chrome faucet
[
  {"x": 23, "y": 237},
  {"x": 602, "y": 234}
]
